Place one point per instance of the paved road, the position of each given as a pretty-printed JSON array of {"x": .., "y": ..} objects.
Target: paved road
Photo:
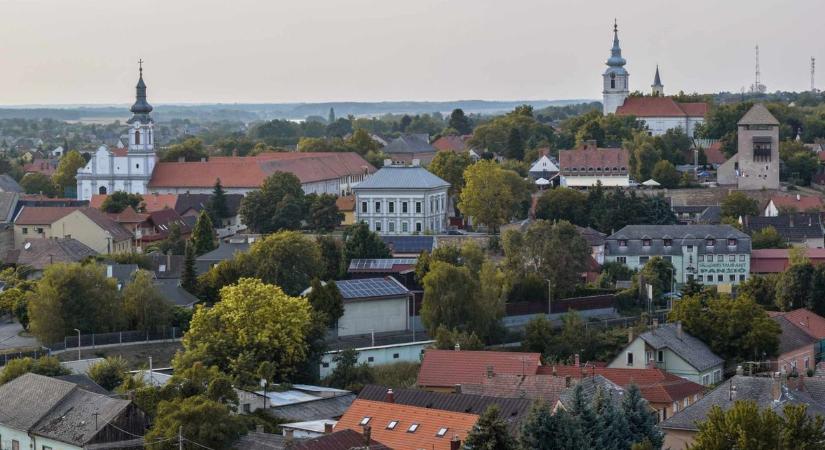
[{"x": 9, "y": 337}]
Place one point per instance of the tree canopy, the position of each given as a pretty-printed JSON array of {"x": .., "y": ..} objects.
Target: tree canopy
[{"x": 278, "y": 205}]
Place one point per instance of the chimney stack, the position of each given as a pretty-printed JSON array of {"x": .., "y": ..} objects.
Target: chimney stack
[
  {"x": 455, "y": 443},
  {"x": 327, "y": 428},
  {"x": 490, "y": 373},
  {"x": 629, "y": 335},
  {"x": 679, "y": 330},
  {"x": 457, "y": 388},
  {"x": 457, "y": 347},
  {"x": 289, "y": 433},
  {"x": 390, "y": 397},
  {"x": 576, "y": 361}
]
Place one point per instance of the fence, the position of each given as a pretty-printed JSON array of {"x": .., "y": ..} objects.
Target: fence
[
  {"x": 34, "y": 354},
  {"x": 118, "y": 337}
]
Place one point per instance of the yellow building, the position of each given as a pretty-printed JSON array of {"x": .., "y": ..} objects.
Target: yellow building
[{"x": 94, "y": 229}]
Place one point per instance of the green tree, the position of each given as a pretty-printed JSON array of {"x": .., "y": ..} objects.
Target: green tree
[
  {"x": 109, "y": 373},
  {"x": 188, "y": 276},
  {"x": 538, "y": 335},
  {"x": 736, "y": 329},
  {"x": 360, "y": 242},
  {"x": 460, "y": 122},
  {"x": 544, "y": 430},
  {"x": 64, "y": 175},
  {"x": 191, "y": 149},
  {"x": 643, "y": 156},
  {"x": 118, "y": 201},
  {"x": 71, "y": 296},
  {"x": 278, "y": 205},
  {"x": 515, "y": 145},
  {"x": 767, "y": 237},
  {"x": 253, "y": 322},
  {"x": 738, "y": 204},
  {"x": 332, "y": 254},
  {"x": 174, "y": 243},
  {"x": 323, "y": 212},
  {"x": 348, "y": 373},
  {"x": 446, "y": 339},
  {"x": 197, "y": 419},
  {"x": 762, "y": 289},
  {"x": 657, "y": 272},
  {"x": 218, "y": 207},
  {"x": 450, "y": 167},
  {"x": 640, "y": 418},
  {"x": 490, "y": 432},
  {"x": 37, "y": 183},
  {"x": 563, "y": 204},
  {"x": 486, "y": 196},
  {"x": 362, "y": 143},
  {"x": 45, "y": 365},
  {"x": 143, "y": 305},
  {"x": 203, "y": 235},
  {"x": 326, "y": 299},
  {"x": 666, "y": 174},
  {"x": 450, "y": 298}
]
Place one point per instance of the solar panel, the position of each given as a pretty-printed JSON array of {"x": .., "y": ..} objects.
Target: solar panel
[
  {"x": 370, "y": 287},
  {"x": 380, "y": 264},
  {"x": 409, "y": 244}
]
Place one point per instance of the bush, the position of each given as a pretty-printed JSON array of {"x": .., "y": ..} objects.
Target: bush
[
  {"x": 109, "y": 373},
  {"x": 399, "y": 375}
]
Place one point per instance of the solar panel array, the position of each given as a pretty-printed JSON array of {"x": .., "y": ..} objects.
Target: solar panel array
[
  {"x": 380, "y": 263},
  {"x": 409, "y": 244},
  {"x": 370, "y": 287}
]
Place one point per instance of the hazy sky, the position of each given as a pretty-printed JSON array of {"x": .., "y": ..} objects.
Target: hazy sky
[{"x": 86, "y": 51}]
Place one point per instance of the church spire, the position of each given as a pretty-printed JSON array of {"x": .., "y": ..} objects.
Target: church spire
[
  {"x": 658, "y": 87},
  {"x": 616, "y": 59},
  {"x": 141, "y": 108}
]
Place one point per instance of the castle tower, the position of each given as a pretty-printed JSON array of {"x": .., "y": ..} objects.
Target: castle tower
[
  {"x": 658, "y": 87},
  {"x": 615, "y": 77},
  {"x": 141, "y": 138}
]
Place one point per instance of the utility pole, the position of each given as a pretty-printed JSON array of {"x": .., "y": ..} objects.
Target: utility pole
[
  {"x": 78, "y": 344},
  {"x": 180, "y": 437}
]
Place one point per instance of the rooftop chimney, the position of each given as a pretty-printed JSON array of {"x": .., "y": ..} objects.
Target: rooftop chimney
[
  {"x": 490, "y": 373},
  {"x": 629, "y": 335},
  {"x": 798, "y": 198},
  {"x": 327, "y": 428},
  {"x": 679, "y": 330},
  {"x": 576, "y": 360},
  {"x": 455, "y": 443},
  {"x": 457, "y": 389},
  {"x": 457, "y": 347},
  {"x": 416, "y": 162},
  {"x": 390, "y": 397}
]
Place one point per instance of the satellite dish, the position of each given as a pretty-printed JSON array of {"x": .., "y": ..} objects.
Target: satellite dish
[{"x": 28, "y": 245}]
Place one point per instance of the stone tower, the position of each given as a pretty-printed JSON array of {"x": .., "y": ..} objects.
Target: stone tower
[
  {"x": 756, "y": 163},
  {"x": 615, "y": 77},
  {"x": 657, "y": 86}
]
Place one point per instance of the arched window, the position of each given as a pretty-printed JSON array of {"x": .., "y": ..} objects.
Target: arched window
[
  {"x": 102, "y": 190},
  {"x": 137, "y": 137},
  {"x": 612, "y": 81}
]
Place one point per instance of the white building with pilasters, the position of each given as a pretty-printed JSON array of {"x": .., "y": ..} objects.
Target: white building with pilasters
[{"x": 130, "y": 169}]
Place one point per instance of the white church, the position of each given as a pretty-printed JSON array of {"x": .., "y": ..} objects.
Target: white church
[
  {"x": 658, "y": 112},
  {"x": 123, "y": 169}
]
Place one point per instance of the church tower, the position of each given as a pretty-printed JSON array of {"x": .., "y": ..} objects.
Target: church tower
[
  {"x": 615, "y": 77},
  {"x": 658, "y": 87},
  {"x": 141, "y": 138}
]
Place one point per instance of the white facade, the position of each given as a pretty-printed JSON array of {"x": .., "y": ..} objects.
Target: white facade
[
  {"x": 615, "y": 79},
  {"x": 379, "y": 355},
  {"x": 658, "y": 126},
  {"x": 578, "y": 181},
  {"x": 378, "y": 316},
  {"x": 108, "y": 171},
  {"x": 403, "y": 211}
]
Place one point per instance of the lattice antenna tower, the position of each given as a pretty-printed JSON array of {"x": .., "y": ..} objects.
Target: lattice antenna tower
[{"x": 813, "y": 74}]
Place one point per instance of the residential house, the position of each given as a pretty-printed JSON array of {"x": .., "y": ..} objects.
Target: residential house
[
  {"x": 813, "y": 325},
  {"x": 590, "y": 386},
  {"x": 402, "y": 200},
  {"x": 402, "y": 269},
  {"x": 39, "y": 412},
  {"x": 777, "y": 260},
  {"x": 596, "y": 241},
  {"x": 797, "y": 348},
  {"x": 191, "y": 205},
  {"x": 590, "y": 165},
  {"x": 661, "y": 114},
  {"x": 226, "y": 250},
  {"x": 36, "y": 222},
  {"x": 710, "y": 254},
  {"x": 408, "y": 148},
  {"x": 339, "y": 440},
  {"x": 404, "y": 427},
  {"x": 443, "y": 370},
  {"x": 798, "y": 229},
  {"x": 544, "y": 168},
  {"x": 157, "y": 226},
  {"x": 38, "y": 253},
  {"x": 97, "y": 230},
  {"x": 767, "y": 392},
  {"x": 671, "y": 349},
  {"x": 346, "y": 205},
  {"x": 714, "y": 155},
  {"x": 697, "y": 214},
  {"x": 299, "y": 403},
  {"x": 46, "y": 167},
  {"x": 546, "y": 388},
  {"x": 451, "y": 143},
  {"x": 150, "y": 203},
  {"x": 373, "y": 305},
  {"x": 784, "y": 204}
]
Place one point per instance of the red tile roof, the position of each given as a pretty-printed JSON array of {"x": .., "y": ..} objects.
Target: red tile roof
[
  {"x": 249, "y": 172},
  {"x": 129, "y": 215},
  {"x": 660, "y": 107},
  {"x": 800, "y": 203},
  {"x": 776, "y": 260},
  {"x": 151, "y": 202},
  {"x": 450, "y": 143},
  {"x": 656, "y": 385},
  {"x": 45, "y": 166},
  {"x": 714, "y": 154},
  {"x": 593, "y": 158},
  {"x": 544, "y": 387},
  {"x": 447, "y": 368},
  {"x": 345, "y": 203},
  {"x": 42, "y": 215},
  {"x": 807, "y": 321},
  {"x": 429, "y": 421}
]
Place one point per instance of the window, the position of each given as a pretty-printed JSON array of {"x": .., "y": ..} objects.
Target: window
[
  {"x": 137, "y": 137},
  {"x": 39, "y": 230},
  {"x": 102, "y": 190},
  {"x": 629, "y": 358},
  {"x": 717, "y": 375},
  {"x": 731, "y": 258},
  {"x": 378, "y": 207},
  {"x": 685, "y": 402},
  {"x": 720, "y": 258},
  {"x": 377, "y": 226},
  {"x": 391, "y": 207},
  {"x": 621, "y": 259},
  {"x": 441, "y": 432},
  {"x": 392, "y": 425},
  {"x": 807, "y": 362},
  {"x": 705, "y": 380},
  {"x": 741, "y": 258},
  {"x": 137, "y": 166},
  {"x": 370, "y": 359},
  {"x": 25, "y": 230},
  {"x": 15, "y": 444},
  {"x": 418, "y": 227},
  {"x": 417, "y": 207},
  {"x": 46, "y": 447},
  {"x": 404, "y": 227},
  {"x": 695, "y": 398},
  {"x": 720, "y": 278},
  {"x": 612, "y": 81},
  {"x": 365, "y": 421},
  {"x": 325, "y": 365},
  {"x": 363, "y": 207},
  {"x": 645, "y": 242},
  {"x": 668, "y": 242},
  {"x": 412, "y": 428},
  {"x": 660, "y": 356},
  {"x": 731, "y": 242},
  {"x": 649, "y": 356},
  {"x": 701, "y": 258},
  {"x": 395, "y": 356},
  {"x": 701, "y": 278},
  {"x": 246, "y": 408},
  {"x": 731, "y": 278},
  {"x": 710, "y": 242},
  {"x": 391, "y": 227},
  {"x": 404, "y": 208},
  {"x": 675, "y": 407},
  {"x": 644, "y": 259},
  {"x": 741, "y": 278},
  {"x": 622, "y": 243}
]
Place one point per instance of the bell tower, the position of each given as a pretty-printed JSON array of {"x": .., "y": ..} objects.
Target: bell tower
[
  {"x": 615, "y": 77},
  {"x": 658, "y": 89},
  {"x": 141, "y": 137}
]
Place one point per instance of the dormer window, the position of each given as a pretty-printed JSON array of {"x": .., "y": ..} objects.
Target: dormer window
[
  {"x": 710, "y": 242},
  {"x": 412, "y": 428},
  {"x": 731, "y": 242},
  {"x": 622, "y": 242},
  {"x": 668, "y": 242},
  {"x": 645, "y": 242}
]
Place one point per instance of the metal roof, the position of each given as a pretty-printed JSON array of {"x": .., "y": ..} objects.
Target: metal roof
[
  {"x": 409, "y": 244},
  {"x": 382, "y": 264},
  {"x": 397, "y": 177},
  {"x": 371, "y": 288}
]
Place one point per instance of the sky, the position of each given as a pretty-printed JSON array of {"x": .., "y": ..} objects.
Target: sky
[{"x": 261, "y": 51}]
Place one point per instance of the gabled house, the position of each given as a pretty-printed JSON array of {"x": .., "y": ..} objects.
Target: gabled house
[
  {"x": 409, "y": 147},
  {"x": 585, "y": 167},
  {"x": 797, "y": 348},
  {"x": 34, "y": 222},
  {"x": 8, "y": 184},
  {"x": 373, "y": 305},
  {"x": 95, "y": 229},
  {"x": 158, "y": 225},
  {"x": 445, "y": 370},
  {"x": 545, "y": 168},
  {"x": 797, "y": 229},
  {"x": 39, "y": 253},
  {"x": 671, "y": 349},
  {"x": 39, "y": 412},
  {"x": 784, "y": 204},
  {"x": 452, "y": 143},
  {"x": 191, "y": 205}
]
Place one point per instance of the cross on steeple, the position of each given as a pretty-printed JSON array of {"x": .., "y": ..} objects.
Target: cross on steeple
[
  {"x": 615, "y": 25},
  {"x": 140, "y": 66}
]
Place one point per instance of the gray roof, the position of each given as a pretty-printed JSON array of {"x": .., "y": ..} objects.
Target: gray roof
[
  {"x": 680, "y": 235},
  {"x": 409, "y": 143},
  {"x": 122, "y": 272},
  {"x": 758, "y": 115},
  {"x": 792, "y": 337},
  {"x": 84, "y": 382},
  {"x": 757, "y": 389},
  {"x": 796, "y": 227},
  {"x": 364, "y": 288},
  {"x": 323, "y": 408},
  {"x": 396, "y": 177},
  {"x": 225, "y": 251},
  {"x": 174, "y": 293},
  {"x": 8, "y": 204},
  {"x": 255, "y": 440},
  {"x": 73, "y": 420},
  {"x": 409, "y": 244},
  {"x": 590, "y": 386},
  {"x": 42, "y": 252},
  {"x": 689, "y": 348},
  {"x": 8, "y": 184},
  {"x": 29, "y": 398}
]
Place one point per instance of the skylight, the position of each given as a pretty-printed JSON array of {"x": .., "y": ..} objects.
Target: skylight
[
  {"x": 441, "y": 432},
  {"x": 392, "y": 425},
  {"x": 365, "y": 420},
  {"x": 412, "y": 428}
]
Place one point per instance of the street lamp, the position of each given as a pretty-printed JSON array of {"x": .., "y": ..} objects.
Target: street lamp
[
  {"x": 549, "y": 297},
  {"x": 78, "y": 344}
]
